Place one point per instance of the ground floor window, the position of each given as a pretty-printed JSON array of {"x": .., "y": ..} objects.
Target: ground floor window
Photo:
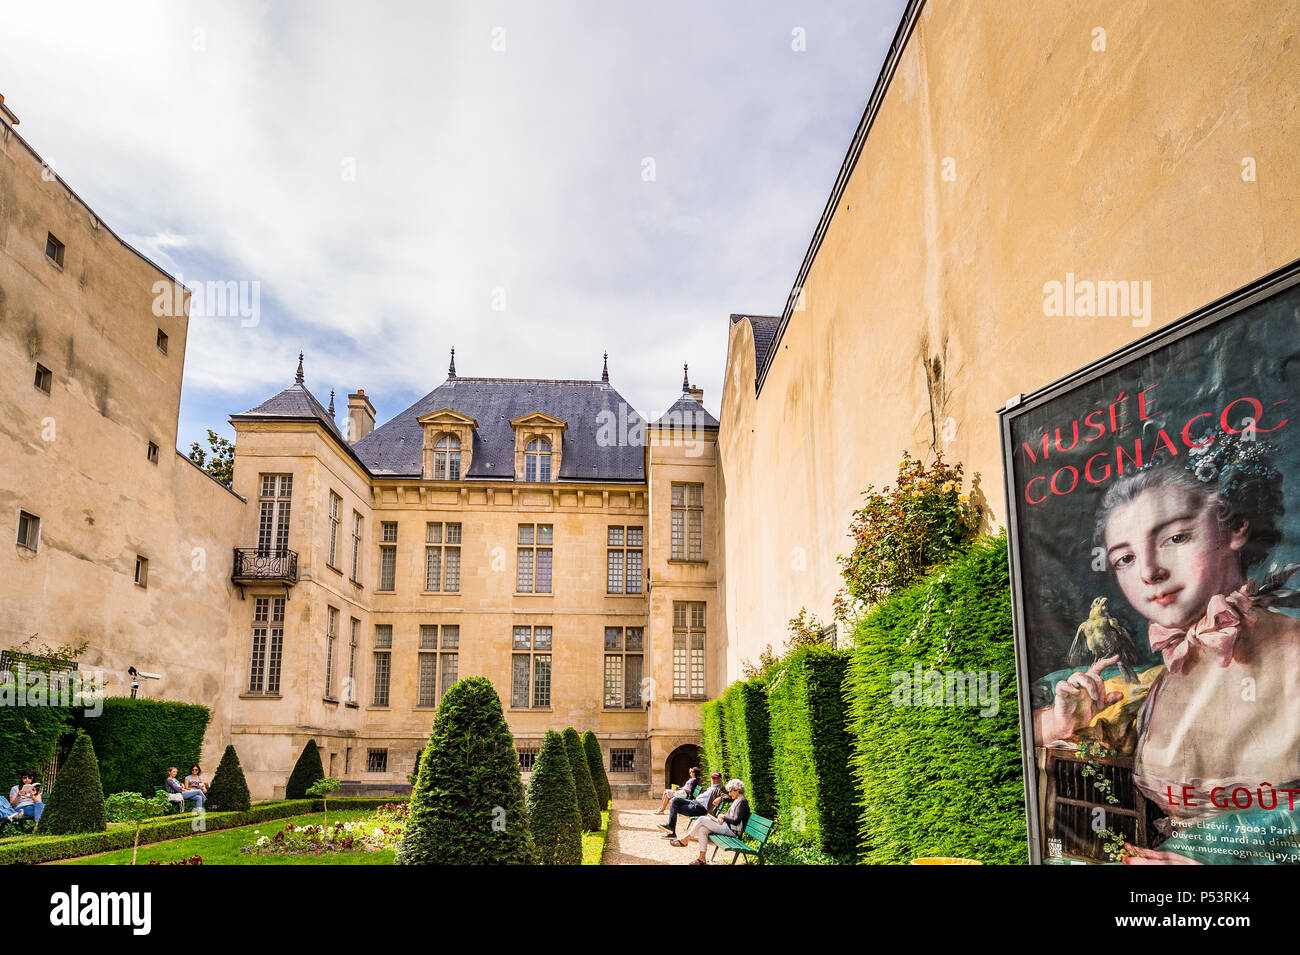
[
  {"x": 622, "y": 761},
  {"x": 377, "y": 761}
]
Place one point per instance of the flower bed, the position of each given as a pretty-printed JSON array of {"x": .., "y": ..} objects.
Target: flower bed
[
  {"x": 381, "y": 830},
  {"x": 31, "y": 849}
]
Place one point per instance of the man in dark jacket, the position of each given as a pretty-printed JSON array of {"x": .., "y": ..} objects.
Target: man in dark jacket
[{"x": 706, "y": 803}]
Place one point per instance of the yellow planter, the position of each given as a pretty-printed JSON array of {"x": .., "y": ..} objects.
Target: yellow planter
[{"x": 945, "y": 860}]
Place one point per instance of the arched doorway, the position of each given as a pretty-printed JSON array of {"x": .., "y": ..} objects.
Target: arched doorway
[{"x": 679, "y": 763}]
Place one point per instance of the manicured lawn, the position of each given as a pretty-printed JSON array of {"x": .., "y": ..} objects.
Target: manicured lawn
[
  {"x": 593, "y": 843},
  {"x": 222, "y": 848}
]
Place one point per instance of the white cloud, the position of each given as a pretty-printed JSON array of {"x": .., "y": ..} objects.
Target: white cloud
[{"x": 383, "y": 173}]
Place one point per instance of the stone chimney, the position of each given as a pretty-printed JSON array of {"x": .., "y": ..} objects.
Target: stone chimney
[
  {"x": 697, "y": 393},
  {"x": 361, "y": 416},
  {"x": 6, "y": 114}
]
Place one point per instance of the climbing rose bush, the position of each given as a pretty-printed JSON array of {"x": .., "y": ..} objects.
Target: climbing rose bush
[{"x": 904, "y": 530}]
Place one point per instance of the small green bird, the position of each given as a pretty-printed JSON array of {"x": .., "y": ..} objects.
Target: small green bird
[{"x": 1101, "y": 635}]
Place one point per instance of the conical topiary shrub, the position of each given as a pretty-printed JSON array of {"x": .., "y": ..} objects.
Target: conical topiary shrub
[
  {"x": 596, "y": 763},
  {"x": 553, "y": 816},
  {"x": 467, "y": 803},
  {"x": 306, "y": 771},
  {"x": 229, "y": 789},
  {"x": 588, "y": 803},
  {"x": 77, "y": 802}
]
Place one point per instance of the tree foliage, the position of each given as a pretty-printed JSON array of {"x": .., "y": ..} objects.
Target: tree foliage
[
  {"x": 306, "y": 771},
  {"x": 228, "y": 791},
  {"x": 76, "y": 803},
  {"x": 218, "y": 460},
  {"x": 596, "y": 763},
  {"x": 553, "y": 814},
  {"x": 467, "y": 805},
  {"x": 588, "y": 801}
]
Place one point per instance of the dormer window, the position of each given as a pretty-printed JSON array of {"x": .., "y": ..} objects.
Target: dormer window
[
  {"x": 448, "y": 448},
  {"x": 446, "y": 458},
  {"x": 539, "y": 448},
  {"x": 537, "y": 461}
]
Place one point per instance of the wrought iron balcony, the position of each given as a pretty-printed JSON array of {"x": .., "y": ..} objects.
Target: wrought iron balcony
[{"x": 257, "y": 565}]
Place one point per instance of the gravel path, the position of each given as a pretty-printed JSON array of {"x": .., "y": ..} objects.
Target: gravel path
[{"x": 634, "y": 838}]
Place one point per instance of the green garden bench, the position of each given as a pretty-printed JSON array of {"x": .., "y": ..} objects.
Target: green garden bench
[{"x": 749, "y": 843}]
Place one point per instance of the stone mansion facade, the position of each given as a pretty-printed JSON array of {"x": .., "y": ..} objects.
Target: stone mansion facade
[{"x": 537, "y": 532}]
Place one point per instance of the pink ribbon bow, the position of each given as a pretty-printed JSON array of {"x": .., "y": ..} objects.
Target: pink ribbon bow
[{"x": 1216, "y": 633}]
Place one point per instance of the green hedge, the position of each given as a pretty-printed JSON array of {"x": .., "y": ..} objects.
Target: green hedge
[
  {"x": 35, "y": 849},
  {"x": 136, "y": 740},
  {"x": 811, "y": 748},
  {"x": 747, "y": 743},
  {"x": 939, "y": 780},
  {"x": 712, "y": 753},
  {"x": 29, "y": 736}
]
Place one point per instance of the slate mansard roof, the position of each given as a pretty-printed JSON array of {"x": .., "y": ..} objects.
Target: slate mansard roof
[
  {"x": 764, "y": 328},
  {"x": 396, "y": 447},
  {"x": 295, "y": 403}
]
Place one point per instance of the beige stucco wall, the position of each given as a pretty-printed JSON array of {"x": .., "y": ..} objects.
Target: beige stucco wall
[
  {"x": 76, "y": 458},
  {"x": 1122, "y": 164}
]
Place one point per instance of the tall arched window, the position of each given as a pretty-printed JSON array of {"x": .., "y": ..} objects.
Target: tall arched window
[
  {"x": 446, "y": 458},
  {"x": 537, "y": 460}
]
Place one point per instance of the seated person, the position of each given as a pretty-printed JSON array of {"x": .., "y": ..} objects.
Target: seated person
[
  {"x": 25, "y": 798},
  {"x": 685, "y": 792},
  {"x": 174, "y": 788},
  {"x": 732, "y": 824},
  {"x": 195, "y": 780},
  {"x": 703, "y": 805}
]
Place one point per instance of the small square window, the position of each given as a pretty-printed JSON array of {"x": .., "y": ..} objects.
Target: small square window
[
  {"x": 29, "y": 530},
  {"x": 384, "y": 635},
  {"x": 377, "y": 761},
  {"x": 152, "y": 453},
  {"x": 141, "y": 571},
  {"x": 44, "y": 378},
  {"x": 622, "y": 760},
  {"x": 54, "y": 249},
  {"x": 162, "y": 341},
  {"x": 527, "y": 759},
  {"x": 389, "y": 529}
]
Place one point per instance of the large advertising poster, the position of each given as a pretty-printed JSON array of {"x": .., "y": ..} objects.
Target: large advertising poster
[{"x": 1154, "y": 502}]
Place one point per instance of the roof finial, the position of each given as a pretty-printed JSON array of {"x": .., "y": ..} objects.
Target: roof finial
[
  {"x": 298, "y": 376},
  {"x": 686, "y": 383},
  {"x": 451, "y": 371},
  {"x": 331, "y": 402},
  {"x": 604, "y": 372}
]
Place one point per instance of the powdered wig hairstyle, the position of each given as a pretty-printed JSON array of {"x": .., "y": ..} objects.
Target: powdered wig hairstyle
[{"x": 1250, "y": 495}]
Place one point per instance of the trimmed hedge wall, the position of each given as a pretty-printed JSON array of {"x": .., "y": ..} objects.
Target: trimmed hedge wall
[
  {"x": 29, "y": 736},
  {"x": 811, "y": 748},
  {"x": 747, "y": 743},
  {"x": 712, "y": 755},
  {"x": 136, "y": 740},
  {"x": 35, "y": 849},
  {"x": 939, "y": 780}
]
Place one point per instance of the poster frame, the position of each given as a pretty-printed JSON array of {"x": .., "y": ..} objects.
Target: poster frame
[{"x": 1221, "y": 309}]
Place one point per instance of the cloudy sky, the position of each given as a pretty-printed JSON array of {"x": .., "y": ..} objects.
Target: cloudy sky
[{"x": 533, "y": 183}]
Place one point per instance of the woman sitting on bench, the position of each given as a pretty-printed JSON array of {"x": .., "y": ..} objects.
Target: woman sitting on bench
[
  {"x": 685, "y": 792},
  {"x": 732, "y": 824}
]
